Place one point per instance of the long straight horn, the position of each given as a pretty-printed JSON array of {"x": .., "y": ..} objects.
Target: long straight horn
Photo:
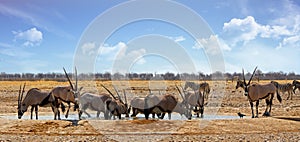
[
  {"x": 76, "y": 83},
  {"x": 179, "y": 91},
  {"x": 117, "y": 93},
  {"x": 22, "y": 93},
  {"x": 108, "y": 91},
  {"x": 68, "y": 79},
  {"x": 19, "y": 97},
  {"x": 252, "y": 75},
  {"x": 125, "y": 96},
  {"x": 244, "y": 78}
]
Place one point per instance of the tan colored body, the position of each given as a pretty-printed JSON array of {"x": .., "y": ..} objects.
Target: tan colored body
[
  {"x": 63, "y": 94},
  {"x": 258, "y": 91},
  {"x": 166, "y": 104},
  {"x": 34, "y": 98},
  {"x": 138, "y": 106},
  {"x": 93, "y": 102},
  {"x": 195, "y": 100},
  {"x": 116, "y": 107}
]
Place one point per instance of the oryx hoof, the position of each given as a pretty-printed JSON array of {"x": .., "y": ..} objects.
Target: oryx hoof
[{"x": 266, "y": 114}]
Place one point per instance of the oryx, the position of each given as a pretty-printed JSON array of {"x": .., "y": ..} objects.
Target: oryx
[
  {"x": 193, "y": 99},
  {"x": 256, "y": 92},
  {"x": 67, "y": 94},
  {"x": 34, "y": 98},
  {"x": 94, "y": 102},
  {"x": 165, "y": 104},
  {"x": 116, "y": 106}
]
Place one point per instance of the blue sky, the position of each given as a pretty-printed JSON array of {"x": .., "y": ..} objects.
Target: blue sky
[{"x": 44, "y": 36}]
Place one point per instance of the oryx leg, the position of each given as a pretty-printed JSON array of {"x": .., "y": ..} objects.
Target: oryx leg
[
  {"x": 251, "y": 104},
  {"x": 32, "y": 107},
  {"x": 197, "y": 111},
  {"x": 36, "y": 112},
  {"x": 169, "y": 115},
  {"x": 162, "y": 115},
  {"x": 57, "y": 109},
  {"x": 147, "y": 113},
  {"x": 98, "y": 114},
  {"x": 153, "y": 115},
  {"x": 67, "y": 113},
  {"x": 134, "y": 113},
  {"x": 257, "y": 103},
  {"x": 54, "y": 110},
  {"x": 106, "y": 114},
  {"x": 83, "y": 109},
  {"x": 271, "y": 102}
]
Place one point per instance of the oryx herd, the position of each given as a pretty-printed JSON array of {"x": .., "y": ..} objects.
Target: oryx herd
[{"x": 193, "y": 99}]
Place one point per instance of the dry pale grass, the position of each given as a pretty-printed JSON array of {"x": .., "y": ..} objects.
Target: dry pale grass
[{"x": 283, "y": 126}]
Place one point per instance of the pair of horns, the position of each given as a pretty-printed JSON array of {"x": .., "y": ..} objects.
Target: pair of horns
[
  {"x": 179, "y": 91},
  {"x": 20, "y": 97},
  {"x": 250, "y": 77},
  {"x": 116, "y": 92}
]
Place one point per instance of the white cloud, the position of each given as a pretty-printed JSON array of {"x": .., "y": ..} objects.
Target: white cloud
[
  {"x": 89, "y": 48},
  {"x": 31, "y": 37},
  {"x": 292, "y": 41},
  {"x": 212, "y": 45},
  {"x": 179, "y": 39},
  {"x": 121, "y": 54},
  {"x": 106, "y": 49},
  {"x": 245, "y": 30}
]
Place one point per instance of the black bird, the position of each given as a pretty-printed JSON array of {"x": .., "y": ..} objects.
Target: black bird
[{"x": 241, "y": 115}]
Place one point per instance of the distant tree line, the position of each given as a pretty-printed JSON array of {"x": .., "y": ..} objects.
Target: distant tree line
[{"x": 149, "y": 76}]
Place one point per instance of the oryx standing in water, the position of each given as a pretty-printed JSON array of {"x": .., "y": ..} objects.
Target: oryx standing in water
[
  {"x": 256, "y": 92},
  {"x": 67, "y": 94},
  {"x": 116, "y": 106},
  {"x": 94, "y": 102},
  {"x": 193, "y": 100},
  {"x": 34, "y": 98}
]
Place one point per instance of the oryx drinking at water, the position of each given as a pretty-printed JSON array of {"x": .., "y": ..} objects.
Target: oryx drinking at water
[
  {"x": 67, "y": 94},
  {"x": 193, "y": 100},
  {"x": 116, "y": 106},
  {"x": 256, "y": 92},
  {"x": 138, "y": 106},
  {"x": 165, "y": 104},
  {"x": 34, "y": 98},
  {"x": 93, "y": 102}
]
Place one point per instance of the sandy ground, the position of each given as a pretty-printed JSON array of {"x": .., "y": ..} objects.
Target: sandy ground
[{"x": 284, "y": 125}]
